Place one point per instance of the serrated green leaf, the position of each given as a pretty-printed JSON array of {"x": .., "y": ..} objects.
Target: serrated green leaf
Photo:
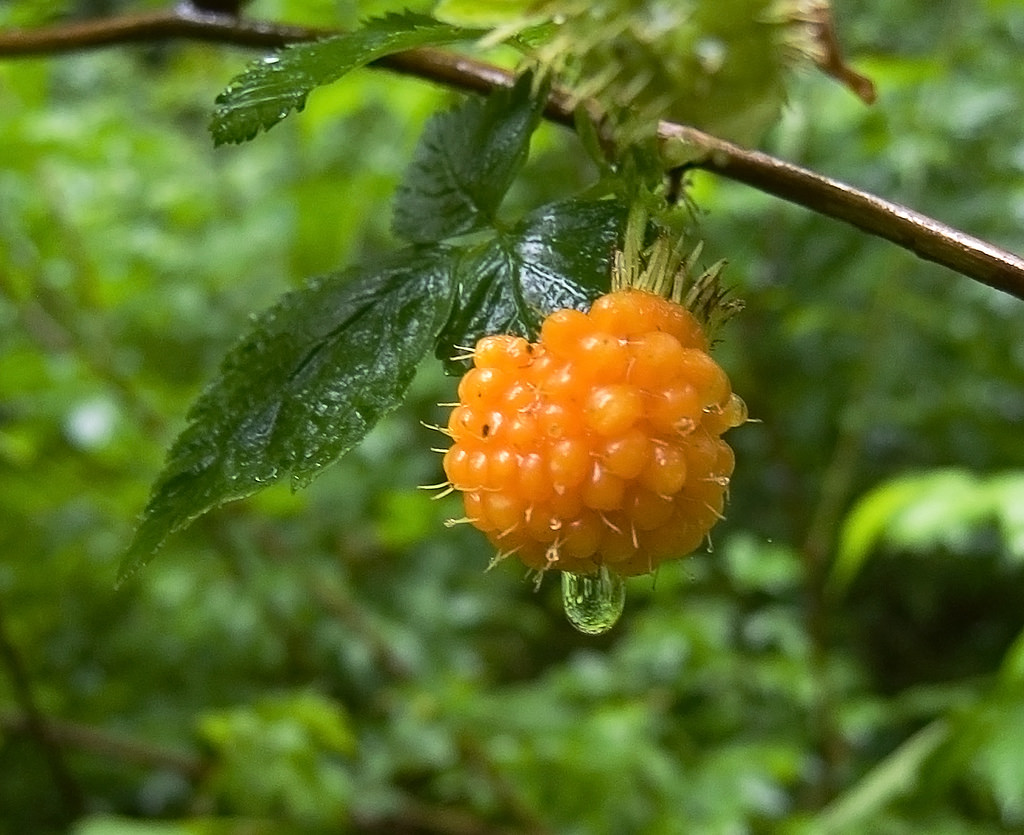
[
  {"x": 313, "y": 376},
  {"x": 270, "y": 89},
  {"x": 559, "y": 256},
  {"x": 465, "y": 162}
]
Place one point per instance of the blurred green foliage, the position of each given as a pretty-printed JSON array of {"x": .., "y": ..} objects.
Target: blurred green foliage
[{"x": 337, "y": 659}]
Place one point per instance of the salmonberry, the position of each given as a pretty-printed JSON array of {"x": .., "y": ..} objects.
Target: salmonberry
[{"x": 599, "y": 445}]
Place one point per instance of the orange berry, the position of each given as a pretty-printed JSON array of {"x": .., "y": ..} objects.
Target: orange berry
[
  {"x": 599, "y": 444},
  {"x": 566, "y": 504},
  {"x": 603, "y": 358},
  {"x": 502, "y": 467},
  {"x": 684, "y": 326},
  {"x": 602, "y": 489},
  {"x": 657, "y": 358},
  {"x": 533, "y": 482},
  {"x": 568, "y": 462},
  {"x": 521, "y": 431},
  {"x": 558, "y": 420},
  {"x": 706, "y": 376},
  {"x": 729, "y": 415},
  {"x": 475, "y": 512},
  {"x": 617, "y": 545},
  {"x": 562, "y": 383},
  {"x": 505, "y": 352},
  {"x": 626, "y": 313},
  {"x": 582, "y": 536},
  {"x": 455, "y": 462},
  {"x": 701, "y": 451},
  {"x": 680, "y": 536},
  {"x": 725, "y": 460},
  {"x": 562, "y": 331},
  {"x": 543, "y": 525},
  {"x": 612, "y": 410},
  {"x": 482, "y": 385},
  {"x": 516, "y": 396},
  {"x": 626, "y": 455},
  {"x": 504, "y": 510},
  {"x": 675, "y": 410},
  {"x": 476, "y": 470},
  {"x": 665, "y": 472},
  {"x": 650, "y": 510}
]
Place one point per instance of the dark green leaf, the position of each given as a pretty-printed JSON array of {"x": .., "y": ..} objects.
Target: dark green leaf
[
  {"x": 464, "y": 164},
  {"x": 315, "y": 374},
  {"x": 270, "y": 89},
  {"x": 559, "y": 256}
]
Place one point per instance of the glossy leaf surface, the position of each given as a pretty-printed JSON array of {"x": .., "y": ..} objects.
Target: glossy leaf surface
[
  {"x": 559, "y": 256},
  {"x": 313, "y": 376},
  {"x": 272, "y": 88},
  {"x": 464, "y": 164}
]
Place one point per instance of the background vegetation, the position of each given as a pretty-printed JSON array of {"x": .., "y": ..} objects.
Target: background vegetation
[{"x": 849, "y": 658}]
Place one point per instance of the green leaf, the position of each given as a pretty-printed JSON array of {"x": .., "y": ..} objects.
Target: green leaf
[
  {"x": 270, "y": 89},
  {"x": 894, "y": 776},
  {"x": 914, "y": 511},
  {"x": 313, "y": 376},
  {"x": 1008, "y": 495},
  {"x": 997, "y": 759},
  {"x": 465, "y": 162},
  {"x": 559, "y": 256}
]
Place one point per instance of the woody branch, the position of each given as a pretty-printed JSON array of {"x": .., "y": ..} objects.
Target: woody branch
[{"x": 924, "y": 236}]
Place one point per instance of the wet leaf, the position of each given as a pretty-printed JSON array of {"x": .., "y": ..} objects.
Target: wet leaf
[
  {"x": 464, "y": 164},
  {"x": 313, "y": 376},
  {"x": 559, "y": 256},
  {"x": 273, "y": 87}
]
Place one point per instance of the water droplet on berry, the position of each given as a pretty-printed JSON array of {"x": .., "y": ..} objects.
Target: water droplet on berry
[{"x": 593, "y": 602}]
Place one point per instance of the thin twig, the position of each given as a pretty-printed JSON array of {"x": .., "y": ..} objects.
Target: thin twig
[
  {"x": 70, "y": 792},
  {"x": 102, "y": 743},
  {"x": 183, "y": 21},
  {"x": 922, "y": 235}
]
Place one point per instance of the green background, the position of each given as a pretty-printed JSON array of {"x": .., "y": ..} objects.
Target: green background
[{"x": 849, "y": 658}]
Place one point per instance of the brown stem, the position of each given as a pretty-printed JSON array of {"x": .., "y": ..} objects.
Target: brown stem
[
  {"x": 102, "y": 743},
  {"x": 184, "y": 21},
  {"x": 36, "y": 727},
  {"x": 927, "y": 238}
]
